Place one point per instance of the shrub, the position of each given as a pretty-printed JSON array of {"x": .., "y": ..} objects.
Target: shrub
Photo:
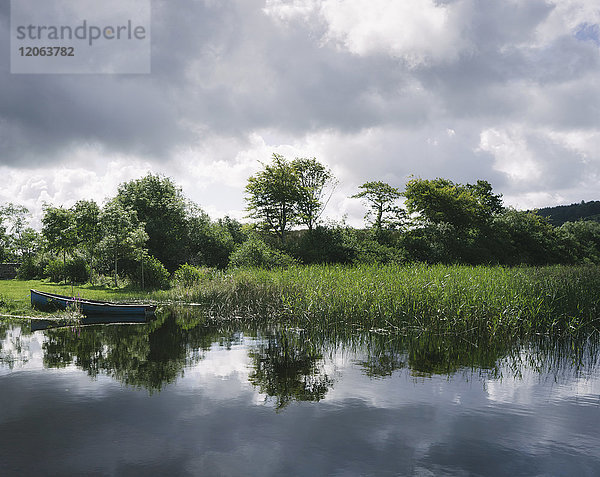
[
  {"x": 155, "y": 273},
  {"x": 323, "y": 245},
  {"x": 28, "y": 269},
  {"x": 77, "y": 270},
  {"x": 55, "y": 270},
  {"x": 369, "y": 246},
  {"x": 33, "y": 267},
  {"x": 187, "y": 275},
  {"x": 254, "y": 252}
]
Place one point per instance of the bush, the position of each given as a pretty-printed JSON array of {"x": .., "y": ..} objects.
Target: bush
[
  {"x": 33, "y": 267},
  {"x": 254, "y": 252},
  {"x": 155, "y": 273},
  {"x": 369, "y": 246},
  {"x": 527, "y": 239},
  {"x": 28, "y": 270},
  {"x": 371, "y": 251},
  {"x": 323, "y": 245},
  {"x": 187, "y": 275},
  {"x": 55, "y": 270},
  {"x": 77, "y": 270}
]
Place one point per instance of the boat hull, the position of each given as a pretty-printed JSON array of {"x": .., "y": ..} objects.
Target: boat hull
[{"x": 50, "y": 301}]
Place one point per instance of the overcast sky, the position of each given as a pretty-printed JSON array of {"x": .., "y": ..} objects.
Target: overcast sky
[{"x": 502, "y": 90}]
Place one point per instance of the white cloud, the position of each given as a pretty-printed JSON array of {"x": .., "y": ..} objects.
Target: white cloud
[
  {"x": 289, "y": 10},
  {"x": 511, "y": 154},
  {"x": 88, "y": 174},
  {"x": 566, "y": 17},
  {"x": 417, "y": 31}
]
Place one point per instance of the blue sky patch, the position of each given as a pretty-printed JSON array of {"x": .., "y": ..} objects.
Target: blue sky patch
[{"x": 587, "y": 31}]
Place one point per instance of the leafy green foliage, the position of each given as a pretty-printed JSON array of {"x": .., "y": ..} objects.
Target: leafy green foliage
[
  {"x": 87, "y": 226},
  {"x": 313, "y": 179},
  {"x": 55, "y": 270},
  {"x": 582, "y": 241},
  {"x": 525, "y": 238},
  {"x": 234, "y": 228},
  {"x": 28, "y": 270},
  {"x": 381, "y": 200},
  {"x": 77, "y": 270},
  {"x": 211, "y": 243},
  {"x": 449, "y": 223},
  {"x": 59, "y": 229},
  {"x": 26, "y": 244},
  {"x": 323, "y": 244},
  {"x": 254, "y": 252},
  {"x": 571, "y": 213},
  {"x": 160, "y": 205},
  {"x": 443, "y": 201},
  {"x": 273, "y": 195},
  {"x": 188, "y": 275},
  {"x": 123, "y": 235},
  {"x": 156, "y": 276},
  {"x": 372, "y": 246},
  {"x": 17, "y": 240}
]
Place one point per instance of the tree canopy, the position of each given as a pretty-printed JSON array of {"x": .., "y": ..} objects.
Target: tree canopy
[
  {"x": 123, "y": 235},
  {"x": 381, "y": 198},
  {"x": 161, "y": 206},
  {"x": 59, "y": 229},
  {"x": 150, "y": 223},
  {"x": 443, "y": 201},
  {"x": 287, "y": 193},
  {"x": 313, "y": 180}
]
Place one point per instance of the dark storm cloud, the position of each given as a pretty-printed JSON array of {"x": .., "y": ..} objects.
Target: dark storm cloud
[
  {"x": 47, "y": 114},
  {"x": 227, "y": 69},
  {"x": 216, "y": 66}
]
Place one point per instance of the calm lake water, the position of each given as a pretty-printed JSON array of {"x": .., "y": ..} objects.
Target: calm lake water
[{"x": 183, "y": 396}]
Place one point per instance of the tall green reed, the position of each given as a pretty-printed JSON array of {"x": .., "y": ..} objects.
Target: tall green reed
[{"x": 443, "y": 298}]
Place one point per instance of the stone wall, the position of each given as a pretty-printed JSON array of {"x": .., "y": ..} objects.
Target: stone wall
[{"x": 8, "y": 271}]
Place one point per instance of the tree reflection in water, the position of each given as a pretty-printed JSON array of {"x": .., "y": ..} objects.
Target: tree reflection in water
[
  {"x": 288, "y": 364},
  {"x": 288, "y": 367}
]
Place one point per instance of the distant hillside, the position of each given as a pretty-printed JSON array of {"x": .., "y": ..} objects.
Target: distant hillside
[{"x": 569, "y": 213}]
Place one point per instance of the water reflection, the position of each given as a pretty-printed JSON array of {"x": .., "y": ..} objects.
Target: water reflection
[
  {"x": 285, "y": 364},
  {"x": 192, "y": 395},
  {"x": 289, "y": 367}
]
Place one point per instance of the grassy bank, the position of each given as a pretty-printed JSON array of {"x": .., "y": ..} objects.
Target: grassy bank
[
  {"x": 15, "y": 298},
  {"x": 483, "y": 300},
  {"x": 487, "y": 300}
]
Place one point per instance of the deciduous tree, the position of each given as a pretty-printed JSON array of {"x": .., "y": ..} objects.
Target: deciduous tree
[
  {"x": 314, "y": 180},
  {"x": 273, "y": 195},
  {"x": 381, "y": 199},
  {"x": 123, "y": 235},
  {"x": 87, "y": 226},
  {"x": 17, "y": 239},
  {"x": 442, "y": 201},
  {"x": 161, "y": 206},
  {"x": 59, "y": 229}
]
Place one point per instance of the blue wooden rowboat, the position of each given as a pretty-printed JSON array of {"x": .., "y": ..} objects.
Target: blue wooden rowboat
[{"x": 45, "y": 301}]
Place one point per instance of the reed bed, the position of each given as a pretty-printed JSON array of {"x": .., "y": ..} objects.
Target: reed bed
[{"x": 447, "y": 299}]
